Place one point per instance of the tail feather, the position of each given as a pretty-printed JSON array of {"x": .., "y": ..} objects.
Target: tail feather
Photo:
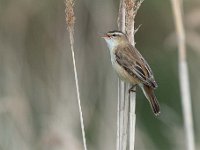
[{"x": 149, "y": 93}]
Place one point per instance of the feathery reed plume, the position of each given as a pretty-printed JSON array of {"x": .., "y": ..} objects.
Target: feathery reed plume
[
  {"x": 70, "y": 20},
  {"x": 126, "y": 117},
  {"x": 183, "y": 75},
  {"x": 132, "y": 7}
]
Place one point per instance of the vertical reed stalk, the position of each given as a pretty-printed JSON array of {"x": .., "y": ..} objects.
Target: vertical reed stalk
[
  {"x": 126, "y": 117},
  {"x": 122, "y": 126},
  {"x": 183, "y": 74},
  {"x": 70, "y": 20}
]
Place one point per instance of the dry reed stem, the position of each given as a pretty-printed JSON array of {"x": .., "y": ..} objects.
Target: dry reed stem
[
  {"x": 121, "y": 16},
  {"x": 132, "y": 7},
  {"x": 121, "y": 89},
  {"x": 118, "y": 115},
  {"x": 184, "y": 75},
  {"x": 70, "y": 20},
  {"x": 126, "y": 103},
  {"x": 121, "y": 86}
]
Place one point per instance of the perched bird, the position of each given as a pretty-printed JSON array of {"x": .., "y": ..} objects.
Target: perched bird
[{"x": 131, "y": 66}]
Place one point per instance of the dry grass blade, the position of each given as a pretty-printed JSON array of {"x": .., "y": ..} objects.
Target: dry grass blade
[{"x": 70, "y": 20}]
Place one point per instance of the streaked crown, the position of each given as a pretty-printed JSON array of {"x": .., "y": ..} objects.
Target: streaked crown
[
  {"x": 115, "y": 34},
  {"x": 115, "y": 38}
]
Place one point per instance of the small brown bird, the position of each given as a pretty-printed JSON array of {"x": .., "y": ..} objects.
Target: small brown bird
[{"x": 131, "y": 66}]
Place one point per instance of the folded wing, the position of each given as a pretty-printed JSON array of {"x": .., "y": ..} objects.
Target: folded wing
[{"x": 135, "y": 65}]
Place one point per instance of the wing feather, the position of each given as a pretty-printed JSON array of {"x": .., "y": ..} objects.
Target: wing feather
[{"x": 133, "y": 62}]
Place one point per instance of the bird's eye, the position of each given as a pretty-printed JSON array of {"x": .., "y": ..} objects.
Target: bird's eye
[{"x": 114, "y": 35}]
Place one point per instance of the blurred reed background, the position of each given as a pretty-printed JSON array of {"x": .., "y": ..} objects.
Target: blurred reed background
[{"x": 38, "y": 106}]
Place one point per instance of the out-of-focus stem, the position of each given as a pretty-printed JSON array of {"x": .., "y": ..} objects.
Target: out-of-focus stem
[
  {"x": 183, "y": 75},
  {"x": 78, "y": 93}
]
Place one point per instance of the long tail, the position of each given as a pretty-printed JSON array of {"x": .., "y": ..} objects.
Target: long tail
[{"x": 149, "y": 93}]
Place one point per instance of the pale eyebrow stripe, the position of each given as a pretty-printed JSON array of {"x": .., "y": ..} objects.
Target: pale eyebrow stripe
[{"x": 117, "y": 33}]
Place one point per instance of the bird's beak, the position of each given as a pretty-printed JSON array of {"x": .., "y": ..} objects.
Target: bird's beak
[{"x": 105, "y": 36}]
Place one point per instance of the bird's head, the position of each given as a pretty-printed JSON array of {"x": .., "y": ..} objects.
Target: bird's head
[{"x": 115, "y": 38}]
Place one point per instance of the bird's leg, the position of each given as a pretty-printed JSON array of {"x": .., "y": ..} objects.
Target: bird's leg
[{"x": 132, "y": 89}]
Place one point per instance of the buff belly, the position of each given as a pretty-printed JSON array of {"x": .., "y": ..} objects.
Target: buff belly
[{"x": 124, "y": 75}]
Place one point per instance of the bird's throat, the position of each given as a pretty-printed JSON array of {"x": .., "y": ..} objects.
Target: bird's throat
[{"x": 112, "y": 44}]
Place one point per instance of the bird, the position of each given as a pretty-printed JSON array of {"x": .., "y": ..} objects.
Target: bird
[{"x": 131, "y": 66}]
